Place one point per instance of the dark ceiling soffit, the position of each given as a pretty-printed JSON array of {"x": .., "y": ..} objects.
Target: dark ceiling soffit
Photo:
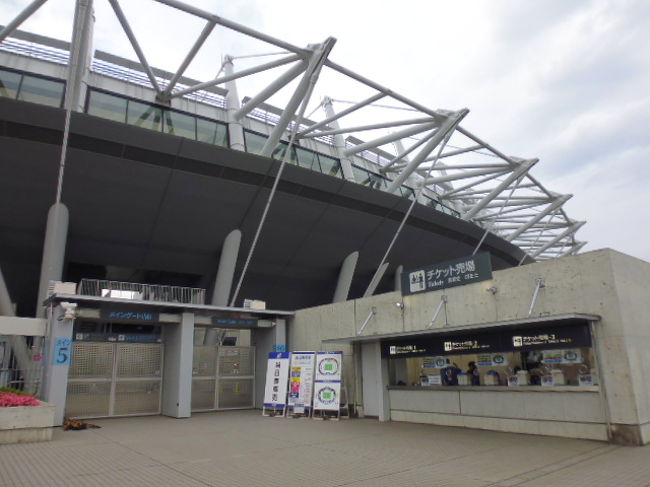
[{"x": 563, "y": 319}]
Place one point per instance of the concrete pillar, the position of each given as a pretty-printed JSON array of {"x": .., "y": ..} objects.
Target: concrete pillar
[
  {"x": 81, "y": 50},
  {"x": 339, "y": 142},
  {"x": 6, "y": 306},
  {"x": 374, "y": 371},
  {"x": 56, "y": 234},
  {"x": 223, "y": 281},
  {"x": 235, "y": 129},
  {"x": 58, "y": 352},
  {"x": 398, "y": 278},
  {"x": 177, "y": 374},
  {"x": 345, "y": 278}
]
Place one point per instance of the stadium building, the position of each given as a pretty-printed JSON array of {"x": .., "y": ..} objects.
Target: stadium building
[{"x": 151, "y": 219}]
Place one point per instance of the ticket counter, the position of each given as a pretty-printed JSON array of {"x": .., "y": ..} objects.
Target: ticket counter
[{"x": 536, "y": 376}]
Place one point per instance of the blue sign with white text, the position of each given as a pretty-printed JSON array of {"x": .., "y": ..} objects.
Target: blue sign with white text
[{"x": 62, "y": 351}]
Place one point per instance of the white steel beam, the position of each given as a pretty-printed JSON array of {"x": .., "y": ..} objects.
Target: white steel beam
[
  {"x": 457, "y": 152},
  {"x": 374, "y": 126},
  {"x": 339, "y": 141},
  {"x": 271, "y": 89},
  {"x": 523, "y": 168},
  {"x": 573, "y": 250},
  {"x": 20, "y": 18},
  {"x": 402, "y": 155},
  {"x": 231, "y": 25},
  {"x": 335, "y": 116},
  {"x": 134, "y": 42},
  {"x": 303, "y": 92},
  {"x": 446, "y": 128},
  {"x": 571, "y": 230},
  {"x": 233, "y": 76},
  {"x": 235, "y": 129},
  {"x": 466, "y": 175},
  {"x": 207, "y": 30},
  {"x": 551, "y": 208},
  {"x": 386, "y": 139},
  {"x": 487, "y": 146}
]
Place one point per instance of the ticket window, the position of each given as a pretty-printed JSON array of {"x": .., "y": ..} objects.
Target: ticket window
[{"x": 567, "y": 367}]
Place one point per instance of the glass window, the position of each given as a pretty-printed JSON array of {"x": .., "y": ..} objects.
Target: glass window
[
  {"x": 43, "y": 91},
  {"x": 180, "y": 124},
  {"x": 307, "y": 159},
  {"x": 254, "y": 142},
  {"x": 407, "y": 192},
  {"x": 377, "y": 181},
  {"x": 361, "y": 176},
  {"x": 280, "y": 151},
  {"x": 145, "y": 116},
  {"x": 330, "y": 166},
  {"x": 211, "y": 132},
  {"x": 107, "y": 106},
  {"x": 9, "y": 83}
]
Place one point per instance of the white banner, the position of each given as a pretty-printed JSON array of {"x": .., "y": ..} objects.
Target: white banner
[
  {"x": 277, "y": 374},
  {"x": 327, "y": 396},
  {"x": 301, "y": 378}
]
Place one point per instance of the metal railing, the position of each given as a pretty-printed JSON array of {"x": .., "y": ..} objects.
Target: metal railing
[
  {"x": 141, "y": 292},
  {"x": 21, "y": 366}
]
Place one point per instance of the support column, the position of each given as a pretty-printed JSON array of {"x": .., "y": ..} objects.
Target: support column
[
  {"x": 374, "y": 370},
  {"x": 223, "y": 281},
  {"x": 56, "y": 234},
  {"x": 58, "y": 353},
  {"x": 345, "y": 278},
  {"x": 235, "y": 129},
  {"x": 80, "y": 56},
  {"x": 398, "y": 278},
  {"x": 177, "y": 374},
  {"x": 280, "y": 331},
  {"x": 339, "y": 143}
]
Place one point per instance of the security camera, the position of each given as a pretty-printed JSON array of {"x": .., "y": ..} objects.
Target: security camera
[{"x": 70, "y": 310}]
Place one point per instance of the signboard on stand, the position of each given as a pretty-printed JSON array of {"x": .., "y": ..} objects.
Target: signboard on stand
[
  {"x": 275, "y": 390},
  {"x": 327, "y": 381},
  {"x": 301, "y": 381}
]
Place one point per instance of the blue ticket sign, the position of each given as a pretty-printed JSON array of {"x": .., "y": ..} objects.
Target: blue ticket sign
[
  {"x": 452, "y": 273},
  {"x": 62, "y": 351}
]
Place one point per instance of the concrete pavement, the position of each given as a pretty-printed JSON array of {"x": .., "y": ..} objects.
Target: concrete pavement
[{"x": 242, "y": 448}]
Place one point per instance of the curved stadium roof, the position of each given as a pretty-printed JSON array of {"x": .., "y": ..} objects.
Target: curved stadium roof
[{"x": 402, "y": 183}]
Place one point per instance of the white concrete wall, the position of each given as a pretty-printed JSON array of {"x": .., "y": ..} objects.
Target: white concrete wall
[{"x": 603, "y": 282}]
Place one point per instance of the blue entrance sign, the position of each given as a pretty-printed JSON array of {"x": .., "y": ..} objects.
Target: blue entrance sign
[
  {"x": 62, "y": 351},
  {"x": 474, "y": 268}
]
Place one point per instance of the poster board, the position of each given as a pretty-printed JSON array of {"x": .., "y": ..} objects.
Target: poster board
[
  {"x": 327, "y": 381},
  {"x": 277, "y": 375},
  {"x": 301, "y": 381}
]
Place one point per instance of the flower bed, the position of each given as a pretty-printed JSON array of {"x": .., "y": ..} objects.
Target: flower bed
[
  {"x": 23, "y": 418},
  {"x": 12, "y": 399}
]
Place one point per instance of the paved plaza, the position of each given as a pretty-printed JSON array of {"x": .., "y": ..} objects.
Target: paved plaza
[{"x": 242, "y": 448}]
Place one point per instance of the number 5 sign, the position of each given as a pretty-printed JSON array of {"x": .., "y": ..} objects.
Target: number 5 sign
[{"x": 62, "y": 351}]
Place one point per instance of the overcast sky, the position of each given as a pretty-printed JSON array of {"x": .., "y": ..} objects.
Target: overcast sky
[{"x": 565, "y": 81}]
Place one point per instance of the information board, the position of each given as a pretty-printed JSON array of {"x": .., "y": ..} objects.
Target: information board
[
  {"x": 277, "y": 374},
  {"x": 451, "y": 273},
  {"x": 327, "y": 381},
  {"x": 301, "y": 379}
]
